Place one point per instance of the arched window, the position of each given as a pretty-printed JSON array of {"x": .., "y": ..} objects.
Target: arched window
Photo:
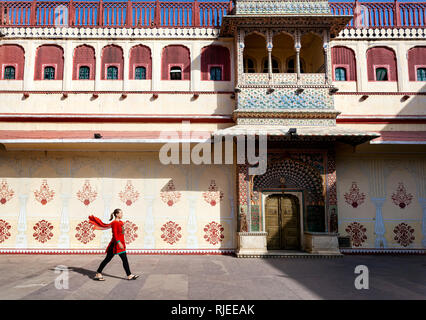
[
  {"x": 140, "y": 73},
  {"x": 417, "y": 63},
  {"x": 140, "y": 63},
  {"x": 84, "y": 73},
  {"x": 9, "y": 73},
  {"x": 254, "y": 46},
  {"x": 112, "y": 63},
  {"x": 215, "y": 63},
  {"x": 112, "y": 73},
  {"x": 249, "y": 66},
  {"x": 343, "y": 58},
  {"x": 49, "y": 63},
  {"x": 12, "y": 60},
  {"x": 84, "y": 63},
  {"x": 175, "y": 63},
  {"x": 381, "y": 74},
  {"x": 381, "y": 64},
  {"x": 340, "y": 74},
  {"x": 275, "y": 66},
  {"x": 175, "y": 73},
  {"x": 49, "y": 73},
  {"x": 421, "y": 74}
]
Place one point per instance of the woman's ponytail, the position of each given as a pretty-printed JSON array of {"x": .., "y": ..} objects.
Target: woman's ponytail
[{"x": 114, "y": 214}]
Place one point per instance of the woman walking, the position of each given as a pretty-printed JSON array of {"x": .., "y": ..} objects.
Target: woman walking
[{"x": 117, "y": 244}]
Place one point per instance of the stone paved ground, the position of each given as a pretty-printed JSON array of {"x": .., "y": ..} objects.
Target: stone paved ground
[{"x": 213, "y": 277}]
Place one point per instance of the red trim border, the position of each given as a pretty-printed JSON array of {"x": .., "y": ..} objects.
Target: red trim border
[{"x": 129, "y": 251}]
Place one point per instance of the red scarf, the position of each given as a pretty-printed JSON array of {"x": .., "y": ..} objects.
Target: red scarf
[{"x": 98, "y": 224}]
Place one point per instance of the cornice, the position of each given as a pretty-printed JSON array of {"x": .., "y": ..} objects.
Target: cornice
[{"x": 108, "y": 33}]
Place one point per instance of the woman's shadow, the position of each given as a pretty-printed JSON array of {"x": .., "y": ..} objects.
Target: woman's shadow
[{"x": 90, "y": 273}]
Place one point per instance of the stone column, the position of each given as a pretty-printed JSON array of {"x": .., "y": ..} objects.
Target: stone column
[
  {"x": 21, "y": 238},
  {"x": 379, "y": 226},
  {"x": 297, "y": 46},
  {"x": 98, "y": 62},
  {"x": 192, "y": 242},
  {"x": 29, "y": 66},
  {"x": 402, "y": 67},
  {"x": 126, "y": 65},
  {"x": 149, "y": 240},
  {"x": 195, "y": 66},
  {"x": 106, "y": 234},
  {"x": 269, "y": 46},
  {"x": 327, "y": 57},
  {"x": 156, "y": 66},
  {"x": 240, "y": 57},
  {"x": 378, "y": 197},
  {"x": 361, "y": 67},
  {"x": 64, "y": 226},
  {"x": 68, "y": 66}
]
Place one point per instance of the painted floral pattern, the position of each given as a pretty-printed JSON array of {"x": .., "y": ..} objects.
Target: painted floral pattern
[
  {"x": 213, "y": 195},
  {"x": 404, "y": 234},
  {"x": 354, "y": 197},
  {"x": 43, "y": 231},
  {"x": 6, "y": 193},
  {"x": 87, "y": 194},
  {"x": 213, "y": 232},
  {"x": 130, "y": 231},
  {"x": 129, "y": 195},
  {"x": 44, "y": 194},
  {"x": 85, "y": 232},
  {"x": 401, "y": 198},
  {"x": 169, "y": 194},
  {"x": 357, "y": 233},
  {"x": 4, "y": 230},
  {"x": 171, "y": 232}
]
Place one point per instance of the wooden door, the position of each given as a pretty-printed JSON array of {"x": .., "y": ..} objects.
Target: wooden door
[
  {"x": 282, "y": 222},
  {"x": 289, "y": 211},
  {"x": 272, "y": 222}
]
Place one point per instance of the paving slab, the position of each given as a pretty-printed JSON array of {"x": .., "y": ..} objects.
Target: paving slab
[{"x": 212, "y": 277}]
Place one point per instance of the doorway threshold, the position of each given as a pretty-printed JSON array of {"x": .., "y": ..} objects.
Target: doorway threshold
[{"x": 289, "y": 254}]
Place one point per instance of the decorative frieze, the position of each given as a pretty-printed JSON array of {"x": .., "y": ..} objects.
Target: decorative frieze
[{"x": 282, "y": 7}]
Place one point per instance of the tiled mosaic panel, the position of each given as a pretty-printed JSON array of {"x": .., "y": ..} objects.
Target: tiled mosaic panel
[
  {"x": 285, "y": 98},
  {"x": 283, "y": 7},
  {"x": 288, "y": 122}
]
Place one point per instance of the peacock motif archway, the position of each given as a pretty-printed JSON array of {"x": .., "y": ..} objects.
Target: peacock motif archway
[{"x": 296, "y": 174}]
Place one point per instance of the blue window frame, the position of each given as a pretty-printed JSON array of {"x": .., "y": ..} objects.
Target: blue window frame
[
  {"x": 112, "y": 73},
  {"x": 84, "y": 73},
  {"x": 216, "y": 73},
  {"x": 9, "y": 73},
  {"x": 49, "y": 73},
  {"x": 140, "y": 73},
  {"x": 421, "y": 74},
  {"x": 340, "y": 74}
]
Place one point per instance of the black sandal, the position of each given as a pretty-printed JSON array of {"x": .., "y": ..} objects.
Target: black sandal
[{"x": 134, "y": 277}]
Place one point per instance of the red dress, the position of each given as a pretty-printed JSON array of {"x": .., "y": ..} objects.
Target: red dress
[
  {"x": 117, "y": 227},
  {"x": 117, "y": 236}
]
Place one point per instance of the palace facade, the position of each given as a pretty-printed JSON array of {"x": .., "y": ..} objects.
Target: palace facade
[{"x": 93, "y": 92}]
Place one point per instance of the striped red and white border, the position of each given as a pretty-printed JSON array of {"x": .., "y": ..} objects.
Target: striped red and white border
[
  {"x": 129, "y": 251},
  {"x": 383, "y": 251}
]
